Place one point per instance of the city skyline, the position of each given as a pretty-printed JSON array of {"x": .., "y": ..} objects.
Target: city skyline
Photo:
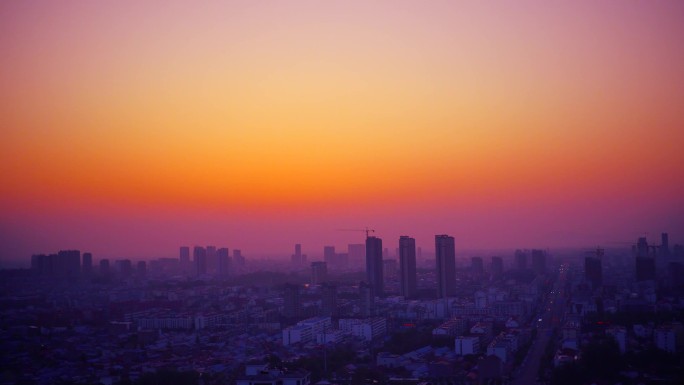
[{"x": 129, "y": 129}]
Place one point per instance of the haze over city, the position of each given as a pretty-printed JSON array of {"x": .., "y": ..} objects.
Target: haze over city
[
  {"x": 129, "y": 129},
  {"x": 341, "y": 192}
]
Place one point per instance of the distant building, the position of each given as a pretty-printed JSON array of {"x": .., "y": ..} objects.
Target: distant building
[
  {"x": 141, "y": 269},
  {"x": 367, "y": 299},
  {"x": 497, "y": 267},
  {"x": 238, "y": 258},
  {"x": 389, "y": 268},
  {"x": 184, "y": 254},
  {"x": 223, "y": 256},
  {"x": 445, "y": 252},
  {"x": 521, "y": 259},
  {"x": 619, "y": 333},
  {"x": 467, "y": 345},
  {"x": 477, "y": 266},
  {"x": 593, "y": 271},
  {"x": 291, "y": 301},
  {"x": 200, "y": 259},
  {"x": 306, "y": 330},
  {"x": 87, "y": 267},
  {"x": 329, "y": 300},
  {"x": 212, "y": 259},
  {"x": 665, "y": 339},
  {"x": 407, "y": 266},
  {"x": 296, "y": 258},
  {"x": 125, "y": 267},
  {"x": 676, "y": 273},
  {"x": 329, "y": 254},
  {"x": 539, "y": 261},
  {"x": 319, "y": 272},
  {"x": 104, "y": 266},
  {"x": 369, "y": 329},
  {"x": 262, "y": 374},
  {"x": 374, "y": 266},
  {"x": 664, "y": 245},
  {"x": 645, "y": 269},
  {"x": 451, "y": 328},
  {"x": 356, "y": 254},
  {"x": 642, "y": 247}
]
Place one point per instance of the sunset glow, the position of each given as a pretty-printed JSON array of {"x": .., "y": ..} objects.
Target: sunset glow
[{"x": 134, "y": 127}]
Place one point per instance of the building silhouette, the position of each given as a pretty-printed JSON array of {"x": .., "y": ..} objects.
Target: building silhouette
[
  {"x": 497, "y": 267},
  {"x": 329, "y": 300},
  {"x": 319, "y": 272},
  {"x": 367, "y": 299},
  {"x": 141, "y": 269},
  {"x": 87, "y": 263},
  {"x": 356, "y": 254},
  {"x": 104, "y": 267},
  {"x": 212, "y": 259},
  {"x": 477, "y": 266},
  {"x": 521, "y": 259},
  {"x": 539, "y": 261},
  {"x": 125, "y": 267},
  {"x": 223, "y": 256},
  {"x": 664, "y": 245},
  {"x": 199, "y": 255},
  {"x": 374, "y": 264},
  {"x": 445, "y": 255},
  {"x": 296, "y": 258},
  {"x": 645, "y": 269},
  {"x": 407, "y": 266},
  {"x": 291, "y": 301},
  {"x": 184, "y": 255},
  {"x": 593, "y": 271},
  {"x": 642, "y": 247},
  {"x": 238, "y": 258}
]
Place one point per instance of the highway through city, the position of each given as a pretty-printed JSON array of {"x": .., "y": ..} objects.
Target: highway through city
[{"x": 550, "y": 318}]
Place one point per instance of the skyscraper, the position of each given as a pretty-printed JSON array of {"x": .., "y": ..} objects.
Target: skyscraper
[
  {"x": 212, "y": 259},
  {"x": 521, "y": 259},
  {"x": 296, "y": 258},
  {"x": 374, "y": 264},
  {"x": 445, "y": 253},
  {"x": 645, "y": 269},
  {"x": 539, "y": 261},
  {"x": 184, "y": 255},
  {"x": 407, "y": 266},
  {"x": 367, "y": 298},
  {"x": 356, "y": 254},
  {"x": 477, "y": 266},
  {"x": 593, "y": 271},
  {"x": 664, "y": 245},
  {"x": 319, "y": 272},
  {"x": 87, "y": 267},
  {"x": 141, "y": 269},
  {"x": 200, "y": 259},
  {"x": 497, "y": 267},
  {"x": 291, "y": 301},
  {"x": 104, "y": 267},
  {"x": 329, "y": 300},
  {"x": 223, "y": 255},
  {"x": 642, "y": 247}
]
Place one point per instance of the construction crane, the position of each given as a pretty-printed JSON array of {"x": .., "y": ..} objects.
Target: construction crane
[{"x": 366, "y": 230}]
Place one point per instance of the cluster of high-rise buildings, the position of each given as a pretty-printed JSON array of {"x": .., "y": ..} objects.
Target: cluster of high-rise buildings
[
  {"x": 71, "y": 264},
  {"x": 648, "y": 258},
  {"x": 210, "y": 260}
]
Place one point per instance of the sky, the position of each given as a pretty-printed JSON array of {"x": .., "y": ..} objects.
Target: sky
[{"x": 131, "y": 128}]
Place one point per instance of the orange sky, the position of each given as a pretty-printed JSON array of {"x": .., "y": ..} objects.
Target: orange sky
[{"x": 332, "y": 112}]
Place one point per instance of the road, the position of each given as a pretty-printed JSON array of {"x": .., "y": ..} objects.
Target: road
[{"x": 551, "y": 318}]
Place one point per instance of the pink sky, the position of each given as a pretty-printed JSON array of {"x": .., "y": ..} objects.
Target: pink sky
[{"x": 129, "y": 128}]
